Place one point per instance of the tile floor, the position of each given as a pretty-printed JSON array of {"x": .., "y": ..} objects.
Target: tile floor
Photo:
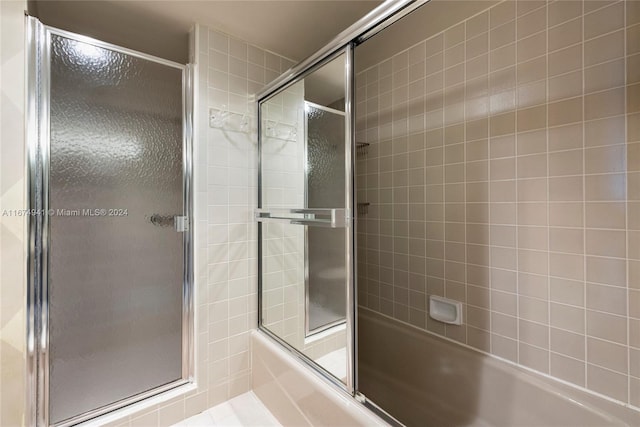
[{"x": 241, "y": 411}]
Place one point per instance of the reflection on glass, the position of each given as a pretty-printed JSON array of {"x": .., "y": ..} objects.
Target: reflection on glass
[
  {"x": 303, "y": 167},
  {"x": 325, "y": 161}
]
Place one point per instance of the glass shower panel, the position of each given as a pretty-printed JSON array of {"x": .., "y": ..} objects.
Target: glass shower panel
[
  {"x": 304, "y": 230},
  {"x": 485, "y": 151},
  {"x": 116, "y": 262},
  {"x": 326, "y": 297}
]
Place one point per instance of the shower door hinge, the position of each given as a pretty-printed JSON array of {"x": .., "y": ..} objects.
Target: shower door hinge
[{"x": 181, "y": 223}]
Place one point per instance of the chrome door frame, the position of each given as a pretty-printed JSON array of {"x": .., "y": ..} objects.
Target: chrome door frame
[{"x": 38, "y": 53}]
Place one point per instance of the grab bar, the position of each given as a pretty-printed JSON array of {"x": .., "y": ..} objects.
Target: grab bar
[{"x": 332, "y": 218}]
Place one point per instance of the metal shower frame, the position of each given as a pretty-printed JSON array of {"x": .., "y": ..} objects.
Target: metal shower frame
[
  {"x": 371, "y": 24},
  {"x": 38, "y": 53}
]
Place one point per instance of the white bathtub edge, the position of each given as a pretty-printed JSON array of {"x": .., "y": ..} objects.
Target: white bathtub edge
[{"x": 292, "y": 375}]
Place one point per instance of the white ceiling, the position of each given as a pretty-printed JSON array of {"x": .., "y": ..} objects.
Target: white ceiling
[{"x": 294, "y": 28}]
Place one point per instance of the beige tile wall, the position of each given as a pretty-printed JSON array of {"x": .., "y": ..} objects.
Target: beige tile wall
[
  {"x": 12, "y": 228},
  {"x": 503, "y": 172}
]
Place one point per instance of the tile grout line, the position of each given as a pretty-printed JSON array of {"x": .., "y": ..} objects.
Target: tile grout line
[
  {"x": 548, "y": 279},
  {"x": 490, "y": 204},
  {"x": 464, "y": 157},
  {"x": 444, "y": 175},
  {"x": 490, "y": 258},
  {"x": 626, "y": 168},
  {"x": 424, "y": 194},
  {"x": 517, "y": 182},
  {"x": 584, "y": 205}
]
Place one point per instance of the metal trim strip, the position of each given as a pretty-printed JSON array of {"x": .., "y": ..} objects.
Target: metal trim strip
[{"x": 115, "y": 48}]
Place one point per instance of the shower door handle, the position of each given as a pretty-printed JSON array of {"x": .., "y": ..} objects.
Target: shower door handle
[
  {"x": 180, "y": 223},
  {"x": 331, "y": 218}
]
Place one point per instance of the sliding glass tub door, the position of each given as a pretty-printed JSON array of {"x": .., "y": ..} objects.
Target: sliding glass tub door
[{"x": 304, "y": 216}]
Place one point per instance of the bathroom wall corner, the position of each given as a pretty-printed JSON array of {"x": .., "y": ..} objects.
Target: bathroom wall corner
[
  {"x": 229, "y": 74},
  {"x": 12, "y": 228}
]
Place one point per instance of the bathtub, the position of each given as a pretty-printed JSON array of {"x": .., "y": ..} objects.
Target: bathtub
[
  {"x": 298, "y": 396},
  {"x": 434, "y": 382}
]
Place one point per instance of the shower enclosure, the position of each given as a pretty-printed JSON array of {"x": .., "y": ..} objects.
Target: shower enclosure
[
  {"x": 110, "y": 258},
  {"x": 306, "y": 204},
  {"x": 305, "y": 235},
  {"x": 494, "y": 152}
]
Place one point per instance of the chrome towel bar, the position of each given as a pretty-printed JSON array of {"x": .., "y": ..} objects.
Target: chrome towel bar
[{"x": 332, "y": 218}]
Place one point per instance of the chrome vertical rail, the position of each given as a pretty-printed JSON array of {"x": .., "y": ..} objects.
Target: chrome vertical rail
[
  {"x": 37, "y": 137},
  {"x": 350, "y": 259},
  {"x": 305, "y": 267},
  {"x": 187, "y": 173},
  {"x": 32, "y": 49},
  {"x": 352, "y": 290},
  {"x": 44, "y": 147},
  {"x": 259, "y": 206}
]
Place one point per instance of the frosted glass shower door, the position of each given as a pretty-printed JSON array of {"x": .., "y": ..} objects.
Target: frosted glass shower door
[
  {"x": 325, "y": 158},
  {"x": 117, "y": 271}
]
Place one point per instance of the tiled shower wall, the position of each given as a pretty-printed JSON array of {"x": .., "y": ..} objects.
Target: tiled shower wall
[
  {"x": 504, "y": 172},
  {"x": 230, "y": 72}
]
